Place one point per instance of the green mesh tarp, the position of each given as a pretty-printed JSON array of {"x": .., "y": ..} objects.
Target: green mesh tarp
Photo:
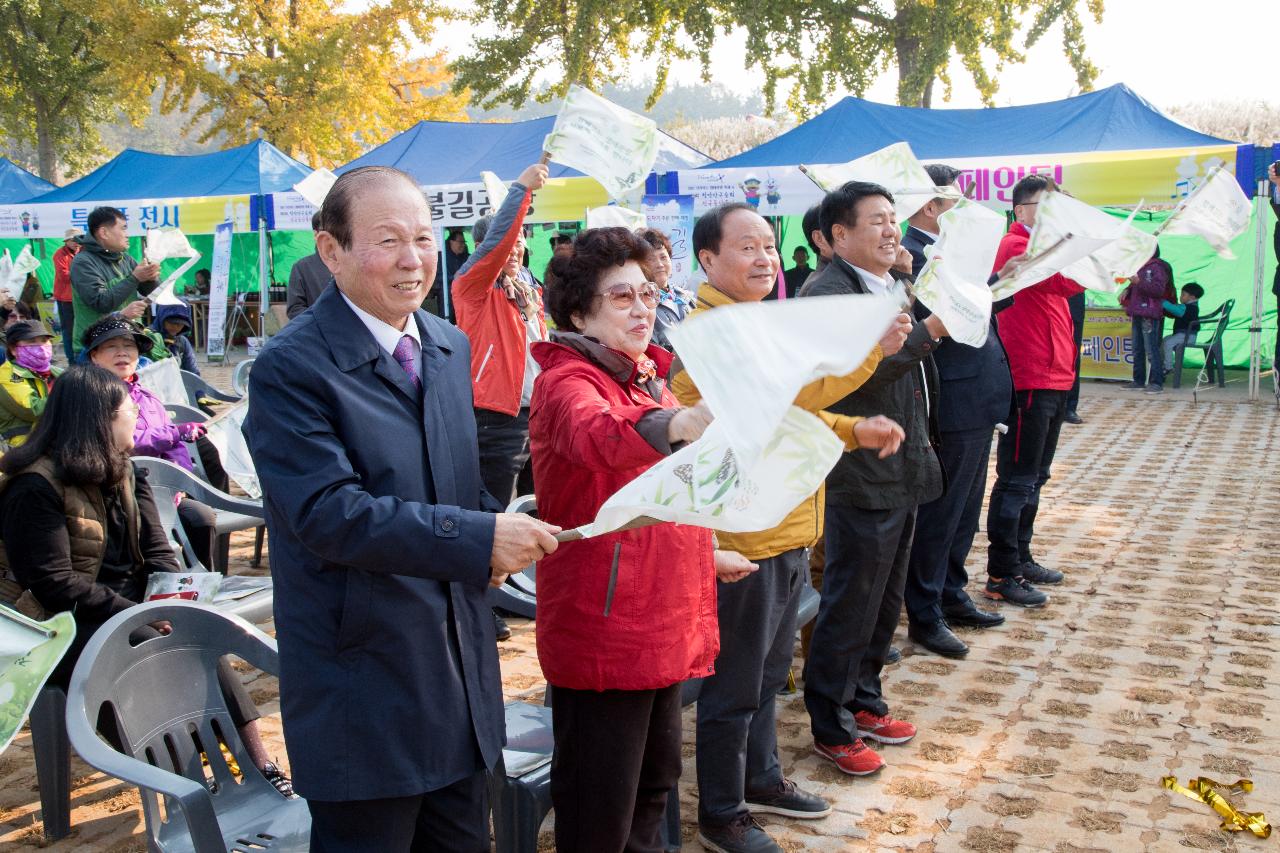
[
  {"x": 1193, "y": 260},
  {"x": 244, "y": 259}
]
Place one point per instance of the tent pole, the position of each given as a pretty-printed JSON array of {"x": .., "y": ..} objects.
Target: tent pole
[
  {"x": 264, "y": 276},
  {"x": 444, "y": 277},
  {"x": 1259, "y": 273}
]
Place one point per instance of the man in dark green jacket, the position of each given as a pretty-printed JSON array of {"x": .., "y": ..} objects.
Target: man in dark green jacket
[{"x": 104, "y": 277}]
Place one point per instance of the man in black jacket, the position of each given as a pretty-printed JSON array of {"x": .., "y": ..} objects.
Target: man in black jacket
[
  {"x": 871, "y": 502},
  {"x": 975, "y": 394},
  {"x": 308, "y": 278}
]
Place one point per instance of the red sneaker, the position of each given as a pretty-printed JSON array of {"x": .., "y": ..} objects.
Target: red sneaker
[
  {"x": 883, "y": 729},
  {"x": 856, "y": 759}
]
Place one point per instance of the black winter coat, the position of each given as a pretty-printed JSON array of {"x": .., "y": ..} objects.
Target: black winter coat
[
  {"x": 976, "y": 385},
  {"x": 904, "y": 388}
]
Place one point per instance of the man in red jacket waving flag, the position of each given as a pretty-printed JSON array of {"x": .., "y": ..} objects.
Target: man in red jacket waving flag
[{"x": 1039, "y": 340}]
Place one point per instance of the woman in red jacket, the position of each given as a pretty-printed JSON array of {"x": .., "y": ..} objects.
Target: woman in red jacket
[{"x": 623, "y": 618}]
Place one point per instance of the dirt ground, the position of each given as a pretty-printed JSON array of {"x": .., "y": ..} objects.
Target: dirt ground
[{"x": 1155, "y": 657}]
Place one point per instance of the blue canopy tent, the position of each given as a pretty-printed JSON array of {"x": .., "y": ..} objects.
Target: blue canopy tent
[
  {"x": 17, "y": 184},
  {"x": 1114, "y": 119},
  {"x": 446, "y": 152},
  {"x": 440, "y": 153},
  {"x": 255, "y": 169},
  {"x": 1110, "y": 119}
]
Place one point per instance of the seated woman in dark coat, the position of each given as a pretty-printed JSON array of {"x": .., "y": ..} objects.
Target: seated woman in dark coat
[{"x": 81, "y": 532}]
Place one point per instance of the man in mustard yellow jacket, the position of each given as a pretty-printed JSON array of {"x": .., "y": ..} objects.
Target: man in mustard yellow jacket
[{"x": 737, "y": 748}]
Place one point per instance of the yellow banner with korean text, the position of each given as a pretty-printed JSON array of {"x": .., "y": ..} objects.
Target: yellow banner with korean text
[
  {"x": 1157, "y": 176},
  {"x": 1106, "y": 350},
  {"x": 192, "y": 215}
]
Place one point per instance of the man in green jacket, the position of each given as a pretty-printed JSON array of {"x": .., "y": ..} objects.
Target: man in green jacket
[{"x": 104, "y": 277}]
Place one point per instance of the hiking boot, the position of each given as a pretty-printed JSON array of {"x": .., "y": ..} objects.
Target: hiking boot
[
  {"x": 1014, "y": 591},
  {"x": 789, "y": 801},
  {"x": 500, "y": 627},
  {"x": 1033, "y": 572},
  {"x": 968, "y": 615},
  {"x": 883, "y": 729},
  {"x": 856, "y": 759},
  {"x": 937, "y": 637},
  {"x": 741, "y": 835}
]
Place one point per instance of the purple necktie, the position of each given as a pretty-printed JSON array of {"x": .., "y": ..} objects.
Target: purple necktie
[{"x": 407, "y": 355}]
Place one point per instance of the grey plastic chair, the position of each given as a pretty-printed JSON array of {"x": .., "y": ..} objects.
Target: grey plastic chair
[
  {"x": 184, "y": 414},
  {"x": 197, "y": 388},
  {"x": 519, "y": 594},
  {"x": 520, "y": 787},
  {"x": 233, "y": 513},
  {"x": 1216, "y": 321},
  {"x": 49, "y": 714},
  {"x": 255, "y": 607},
  {"x": 169, "y": 711},
  {"x": 240, "y": 377},
  {"x": 53, "y": 760}
]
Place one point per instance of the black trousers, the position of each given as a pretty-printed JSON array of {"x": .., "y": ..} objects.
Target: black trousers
[
  {"x": 67, "y": 319},
  {"x": 453, "y": 819},
  {"x": 1275, "y": 358},
  {"x": 199, "y": 522},
  {"x": 1024, "y": 456},
  {"x": 617, "y": 756},
  {"x": 504, "y": 451},
  {"x": 737, "y": 747},
  {"x": 1077, "y": 305},
  {"x": 945, "y": 528},
  {"x": 862, "y": 586}
]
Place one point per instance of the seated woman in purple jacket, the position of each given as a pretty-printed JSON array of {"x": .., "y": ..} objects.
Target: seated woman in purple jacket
[{"x": 114, "y": 343}]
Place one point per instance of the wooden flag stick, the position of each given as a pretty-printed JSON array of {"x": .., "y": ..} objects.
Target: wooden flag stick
[{"x": 576, "y": 533}]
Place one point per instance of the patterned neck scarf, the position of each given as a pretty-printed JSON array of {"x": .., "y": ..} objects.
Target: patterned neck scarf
[
  {"x": 646, "y": 371},
  {"x": 675, "y": 298},
  {"x": 521, "y": 294}
]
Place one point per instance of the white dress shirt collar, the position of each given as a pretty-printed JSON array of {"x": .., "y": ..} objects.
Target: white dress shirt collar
[
  {"x": 385, "y": 334},
  {"x": 879, "y": 285}
]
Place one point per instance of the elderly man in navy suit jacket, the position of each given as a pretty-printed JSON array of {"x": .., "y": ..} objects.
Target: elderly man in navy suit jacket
[
  {"x": 383, "y": 540},
  {"x": 974, "y": 398}
]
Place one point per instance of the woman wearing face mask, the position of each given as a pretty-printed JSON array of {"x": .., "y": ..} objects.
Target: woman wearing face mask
[{"x": 26, "y": 377}]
